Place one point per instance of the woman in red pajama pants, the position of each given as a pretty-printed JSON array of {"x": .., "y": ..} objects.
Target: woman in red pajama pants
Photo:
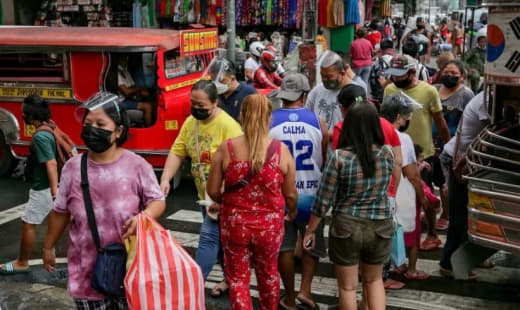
[{"x": 259, "y": 175}]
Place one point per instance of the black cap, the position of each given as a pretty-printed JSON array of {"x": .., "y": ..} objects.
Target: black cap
[{"x": 419, "y": 19}]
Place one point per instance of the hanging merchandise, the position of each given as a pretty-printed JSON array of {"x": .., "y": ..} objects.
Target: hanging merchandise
[
  {"x": 352, "y": 12},
  {"x": 385, "y": 9},
  {"x": 338, "y": 13},
  {"x": 330, "y": 16},
  {"x": 322, "y": 12},
  {"x": 361, "y": 5},
  {"x": 369, "y": 4},
  {"x": 218, "y": 13}
]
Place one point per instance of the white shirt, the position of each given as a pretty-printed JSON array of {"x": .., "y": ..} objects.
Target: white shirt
[
  {"x": 407, "y": 149},
  {"x": 252, "y": 65},
  {"x": 125, "y": 78}
]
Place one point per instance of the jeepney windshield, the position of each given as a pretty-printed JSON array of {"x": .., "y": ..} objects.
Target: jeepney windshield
[{"x": 176, "y": 65}]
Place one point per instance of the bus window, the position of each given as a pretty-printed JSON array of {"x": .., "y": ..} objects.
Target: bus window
[
  {"x": 175, "y": 65},
  {"x": 33, "y": 67}
]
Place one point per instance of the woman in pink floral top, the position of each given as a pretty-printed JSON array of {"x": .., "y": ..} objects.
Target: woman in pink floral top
[
  {"x": 121, "y": 185},
  {"x": 252, "y": 214}
]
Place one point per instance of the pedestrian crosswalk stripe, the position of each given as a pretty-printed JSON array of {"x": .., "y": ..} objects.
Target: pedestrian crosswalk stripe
[
  {"x": 196, "y": 217},
  {"x": 498, "y": 275},
  {"x": 401, "y": 299},
  {"x": 12, "y": 213}
]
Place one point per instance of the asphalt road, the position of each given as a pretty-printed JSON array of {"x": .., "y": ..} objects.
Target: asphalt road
[{"x": 496, "y": 288}]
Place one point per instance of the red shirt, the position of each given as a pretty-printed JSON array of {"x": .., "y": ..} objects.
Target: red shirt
[
  {"x": 391, "y": 138},
  {"x": 374, "y": 38},
  {"x": 361, "y": 52}
]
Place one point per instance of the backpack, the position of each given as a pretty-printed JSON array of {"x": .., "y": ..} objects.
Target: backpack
[
  {"x": 65, "y": 149},
  {"x": 378, "y": 69}
]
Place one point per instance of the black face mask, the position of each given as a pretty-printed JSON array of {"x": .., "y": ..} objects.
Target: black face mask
[
  {"x": 419, "y": 27},
  {"x": 449, "y": 81},
  {"x": 405, "y": 126},
  {"x": 96, "y": 139},
  {"x": 403, "y": 83},
  {"x": 200, "y": 114}
]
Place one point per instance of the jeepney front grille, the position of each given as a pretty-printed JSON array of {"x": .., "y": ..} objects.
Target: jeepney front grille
[
  {"x": 506, "y": 207},
  {"x": 512, "y": 235}
]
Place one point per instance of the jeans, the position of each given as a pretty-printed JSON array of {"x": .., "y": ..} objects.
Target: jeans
[
  {"x": 363, "y": 72},
  {"x": 209, "y": 245},
  {"x": 457, "y": 229}
]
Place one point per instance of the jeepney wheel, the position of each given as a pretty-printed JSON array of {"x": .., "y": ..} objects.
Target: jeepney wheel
[{"x": 7, "y": 160}]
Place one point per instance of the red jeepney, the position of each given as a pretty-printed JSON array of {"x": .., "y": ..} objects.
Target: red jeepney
[{"x": 67, "y": 65}]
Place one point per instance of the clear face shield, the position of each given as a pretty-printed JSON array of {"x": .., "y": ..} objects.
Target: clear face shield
[
  {"x": 217, "y": 72},
  {"x": 97, "y": 101}
]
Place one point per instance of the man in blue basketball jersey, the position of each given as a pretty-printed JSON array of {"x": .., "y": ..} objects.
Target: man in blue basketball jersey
[{"x": 306, "y": 136}]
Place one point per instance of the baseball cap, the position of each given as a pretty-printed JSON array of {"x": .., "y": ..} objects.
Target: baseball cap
[
  {"x": 400, "y": 65},
  {"x": 293, "y": 86}
]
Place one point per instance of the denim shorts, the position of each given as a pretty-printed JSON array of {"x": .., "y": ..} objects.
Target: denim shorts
[{"x": 354, "y": 239}]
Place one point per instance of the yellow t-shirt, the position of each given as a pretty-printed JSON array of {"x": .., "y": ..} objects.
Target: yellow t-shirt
[
  {"x": 211, "y": 135},
  {"x": 420, "y": 129}
]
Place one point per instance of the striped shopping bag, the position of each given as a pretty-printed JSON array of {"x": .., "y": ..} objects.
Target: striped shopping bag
[{"x": 162, "y": 275}]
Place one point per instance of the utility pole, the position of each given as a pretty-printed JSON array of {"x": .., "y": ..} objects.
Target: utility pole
[{"x": 230, "y": 29}]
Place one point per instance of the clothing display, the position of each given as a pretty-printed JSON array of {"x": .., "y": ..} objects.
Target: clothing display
[{"x": 352, "y": 12}]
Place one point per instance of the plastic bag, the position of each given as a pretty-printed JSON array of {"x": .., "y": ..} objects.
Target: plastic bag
[
  {"x": 163, "y": 275},
  {"x": 405, "y": 205},
  {"x": 398, "y": 253}
]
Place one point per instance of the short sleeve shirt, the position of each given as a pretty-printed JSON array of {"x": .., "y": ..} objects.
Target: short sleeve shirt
[
  {"x": 420, "y": 129},
  {"x": 119, "y": 190},
  {"x": 474, "y": 118},
  {"x": 211, "y": 135},
  {"x": 361, "y": 52},
  {"x": 252, "y": 65},
  {"x": 124, "y": 78},
  {"x": 233, "y": 103},
  {"x": 407, "y": 149},
  {"x": 453, "y": 107},
  {"x": 44, "y": 149}
]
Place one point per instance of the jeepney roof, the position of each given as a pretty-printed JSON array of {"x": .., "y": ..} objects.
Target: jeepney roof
[{"x": 88, "y": 38}]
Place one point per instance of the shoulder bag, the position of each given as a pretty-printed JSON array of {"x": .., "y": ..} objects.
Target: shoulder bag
[{"x": 110, "y": 268}]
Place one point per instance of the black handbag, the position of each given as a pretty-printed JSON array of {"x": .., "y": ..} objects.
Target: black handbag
[{"x": 110, "y": 268}]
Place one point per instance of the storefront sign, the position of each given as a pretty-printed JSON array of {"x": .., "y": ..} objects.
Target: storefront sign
[
  {"x": 503, "y": 48},
  {"x": 23, "y": 92},
  {"x": 195, "y": 42}
]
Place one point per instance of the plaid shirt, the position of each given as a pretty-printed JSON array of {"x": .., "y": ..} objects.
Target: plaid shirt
[{"x": 344, "y": 188}]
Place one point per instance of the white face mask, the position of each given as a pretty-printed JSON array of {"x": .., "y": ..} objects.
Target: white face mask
[{"x": 221, "y": 87}]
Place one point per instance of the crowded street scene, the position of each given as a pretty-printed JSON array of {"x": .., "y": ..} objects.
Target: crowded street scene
[{"x": 246, "y": 154}]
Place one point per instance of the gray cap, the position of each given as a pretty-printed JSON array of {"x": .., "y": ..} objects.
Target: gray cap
[
  {"x": 293, "y": 86},
  {"x": 400, "y": 65}
]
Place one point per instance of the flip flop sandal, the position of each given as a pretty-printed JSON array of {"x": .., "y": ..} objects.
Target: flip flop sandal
[
  {"x": 418, "y": 275},
  {"x": 442, "y": 224},
  {"x": 305, "y": 306},
  {"x": 391, "y": 284},
  {"x": 9, "y": 270},
  {"x": 400, "y": 270},
  {"x": 430, "y": 245}
]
